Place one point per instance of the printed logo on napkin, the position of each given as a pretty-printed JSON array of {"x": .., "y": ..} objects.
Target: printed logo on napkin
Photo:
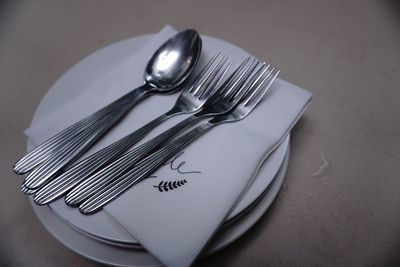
[{"x": 178, "y": 171}]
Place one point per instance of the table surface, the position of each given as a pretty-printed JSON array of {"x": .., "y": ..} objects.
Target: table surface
[{"x": 340, "y": 202}]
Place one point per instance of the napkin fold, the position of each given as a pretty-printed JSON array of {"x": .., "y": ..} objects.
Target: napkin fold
[{"x": 175, "y": 213}]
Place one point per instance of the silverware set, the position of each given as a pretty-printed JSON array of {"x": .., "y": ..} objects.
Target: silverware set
[
  {"x": 166, "y": 71},
  {"x": 189, "y": 101},
  {"x": 235, "y": 104},
  {"x": 96, "y": 180}
]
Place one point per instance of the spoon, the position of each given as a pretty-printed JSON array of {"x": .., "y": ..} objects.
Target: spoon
[{"x": 166, "y": 71}]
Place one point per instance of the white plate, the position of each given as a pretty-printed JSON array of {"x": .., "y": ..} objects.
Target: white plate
[
  {"x": 116, "y": 256},
  {"x": 258, "y": 188},
  {"x": 101, "y": 225}
]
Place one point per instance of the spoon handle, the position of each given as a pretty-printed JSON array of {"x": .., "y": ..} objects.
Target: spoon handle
[
  {"x": 40, "y": 153},
  {"x": 80, "y": 139}
]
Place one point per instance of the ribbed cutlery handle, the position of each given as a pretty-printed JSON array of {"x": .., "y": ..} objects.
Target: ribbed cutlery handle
[
  {"x": 42, "y": 152},
  {"x": 80, "y": 142},
  {"x": 141, "y": 170},
  {"x": 81, "y": 170},
  {"x": 123, "y": 163}
]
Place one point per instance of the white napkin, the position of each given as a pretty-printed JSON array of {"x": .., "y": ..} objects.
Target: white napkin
[
  {"x": 209, "y": 177},
  {"x": 176, "y": 225}
]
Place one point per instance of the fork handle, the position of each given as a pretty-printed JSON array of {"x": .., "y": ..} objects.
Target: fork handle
[
  {"x": 80, "y": 143},
  {"x": 141, "y": 171},
  {"x": 40, "y": 153},
  {"x": 121, "y": 164},
  {"x": 78, "y": 172}
]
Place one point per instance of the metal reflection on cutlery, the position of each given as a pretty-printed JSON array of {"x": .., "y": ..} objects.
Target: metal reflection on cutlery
[
  {"x": 222, "y": 100},
  {"x": 189, "y": 101},
  {"x": 250, "y": 95},
  {"x": 169, "y": 67}
]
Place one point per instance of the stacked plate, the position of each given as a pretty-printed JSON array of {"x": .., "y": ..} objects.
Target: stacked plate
[{"x": 99, "y": 237}]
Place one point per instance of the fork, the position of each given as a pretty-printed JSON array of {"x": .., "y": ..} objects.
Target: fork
[
  {"x": 188, "y": 101},
  {"x": 224, "y": 98},
  {"x": 256, "y": 88}
]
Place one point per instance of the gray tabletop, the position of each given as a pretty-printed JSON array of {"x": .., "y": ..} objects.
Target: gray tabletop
[{"x": 340, "y": 203}]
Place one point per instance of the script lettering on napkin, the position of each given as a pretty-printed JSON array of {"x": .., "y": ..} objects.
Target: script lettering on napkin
[{"x": 177, "y": 167}]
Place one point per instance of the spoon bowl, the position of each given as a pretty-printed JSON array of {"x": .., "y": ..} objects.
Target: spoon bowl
[{"x": 174, "y": 61}]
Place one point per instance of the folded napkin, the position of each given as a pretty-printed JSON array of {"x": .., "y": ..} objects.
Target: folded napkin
[
  {"x": 175, "y": 213},
  {"x": 176, "y": 225}
]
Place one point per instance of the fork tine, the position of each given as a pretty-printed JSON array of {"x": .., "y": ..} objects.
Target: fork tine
[
  {"x": 255, "y": 78},
  {"x": 241, "y": 81},
  {"x": 234, "y": 76},
  {"x": 258, "y": 81},
  {"x": 261, "y": 89},
  {"x": 247, "y": 82},
  {"x": 206, "y": 85},
  {"x": 216, "y": 79},
  {"x": 208, "y": 70},
  {"x": 240, "y": 77}
]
